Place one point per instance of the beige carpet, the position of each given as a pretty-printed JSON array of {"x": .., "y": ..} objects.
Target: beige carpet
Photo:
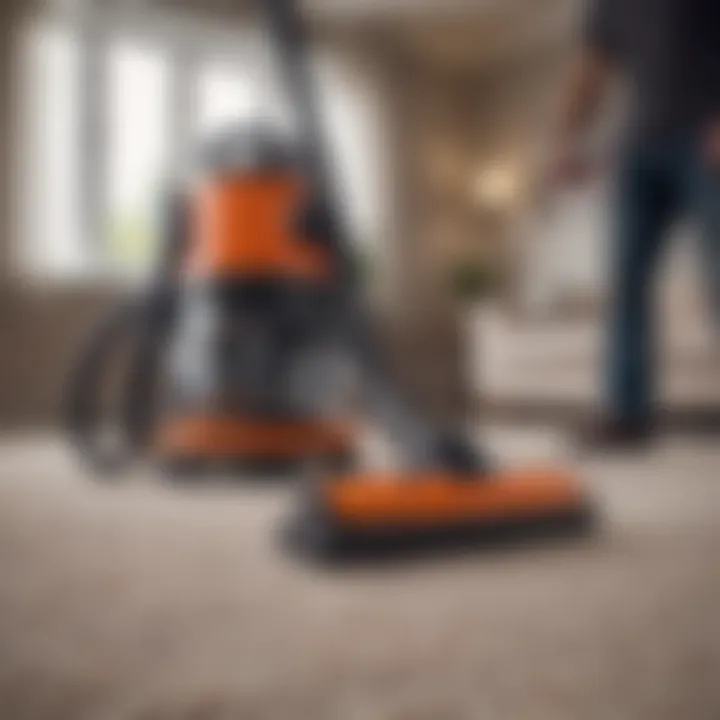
[{"x": 142, "y": 603}]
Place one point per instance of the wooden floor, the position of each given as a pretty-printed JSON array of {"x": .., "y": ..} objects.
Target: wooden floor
[{"x": 142, "y": 602}]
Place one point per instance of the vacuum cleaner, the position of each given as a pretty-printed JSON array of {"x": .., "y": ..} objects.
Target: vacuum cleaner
[
  {"x": 231, "y": 354},
  {"x": 258, "y": 299}
]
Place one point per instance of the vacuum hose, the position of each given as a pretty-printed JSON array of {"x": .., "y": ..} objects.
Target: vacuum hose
[{"x": 143, "y": 323}]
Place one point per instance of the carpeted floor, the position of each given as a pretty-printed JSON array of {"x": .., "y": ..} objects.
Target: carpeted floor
[{"x": 140, "y": 602}]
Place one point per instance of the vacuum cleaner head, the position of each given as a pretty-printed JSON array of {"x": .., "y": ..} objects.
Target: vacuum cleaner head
[{"x": 388, "y": 515}]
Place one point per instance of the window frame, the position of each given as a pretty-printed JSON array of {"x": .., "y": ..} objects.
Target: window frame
[{"x": 188, "y": 43}]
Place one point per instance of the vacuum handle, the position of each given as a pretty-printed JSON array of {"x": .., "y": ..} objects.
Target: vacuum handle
[
  {"x": 425, "y": 444},
  {"x": 288, "y": 35}
]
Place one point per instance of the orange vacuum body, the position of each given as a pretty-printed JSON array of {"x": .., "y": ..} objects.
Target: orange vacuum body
[
  {"x": 242, "y": 229},
  {"x": 253, "y": 283}
]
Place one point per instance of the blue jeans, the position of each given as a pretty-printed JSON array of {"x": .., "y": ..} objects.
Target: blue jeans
[{"x": 658, "y": 182}]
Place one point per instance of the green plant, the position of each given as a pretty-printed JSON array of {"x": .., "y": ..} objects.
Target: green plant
[
  {"x": 363, "y": 262},
  {"x": 130, "y": 239},
  {"x": 473, "y": 281}
]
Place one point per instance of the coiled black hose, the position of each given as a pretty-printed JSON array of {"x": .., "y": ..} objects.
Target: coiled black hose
[{"x": 144, "y": 323}]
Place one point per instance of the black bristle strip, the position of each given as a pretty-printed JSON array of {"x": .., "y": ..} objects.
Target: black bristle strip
[{"x": 313, "y": 535}]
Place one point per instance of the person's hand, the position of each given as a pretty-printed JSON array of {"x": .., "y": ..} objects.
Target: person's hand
[{"x": 712, "y": 144}]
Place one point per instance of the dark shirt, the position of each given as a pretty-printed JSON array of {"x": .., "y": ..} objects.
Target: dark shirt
[{"x": 670, "y": 52}]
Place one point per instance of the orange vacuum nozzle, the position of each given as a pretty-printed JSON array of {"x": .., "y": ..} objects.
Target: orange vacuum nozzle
[
  {"x": 385, "y": 513},
  {"x": 374, "y": 500}
]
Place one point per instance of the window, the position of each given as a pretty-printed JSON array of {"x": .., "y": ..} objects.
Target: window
[
  {"x": 50, "y": 223},
  {"x": 137, "y": 151},
  {"x": 110, "y": 112},
  {"x": 353, "y": 128},
  {"x": 225, "y": 96}
]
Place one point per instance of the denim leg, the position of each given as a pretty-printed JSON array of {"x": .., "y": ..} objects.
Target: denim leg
[
  {"x": 707, "y": 207},
  {"x": 648, "y": 197}
]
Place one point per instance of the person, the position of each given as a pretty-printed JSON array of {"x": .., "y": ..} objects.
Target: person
[{"x": 668, "y": 52}]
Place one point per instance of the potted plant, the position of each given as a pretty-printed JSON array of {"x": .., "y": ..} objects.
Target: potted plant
[
  {"x": 473, "y": 282},
  {"x": 476, "y": 286}
]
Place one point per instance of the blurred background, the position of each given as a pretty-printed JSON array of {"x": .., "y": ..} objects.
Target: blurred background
[
  {"x": 491, "y": 288},
  {"x": 439, "y": 113}
]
